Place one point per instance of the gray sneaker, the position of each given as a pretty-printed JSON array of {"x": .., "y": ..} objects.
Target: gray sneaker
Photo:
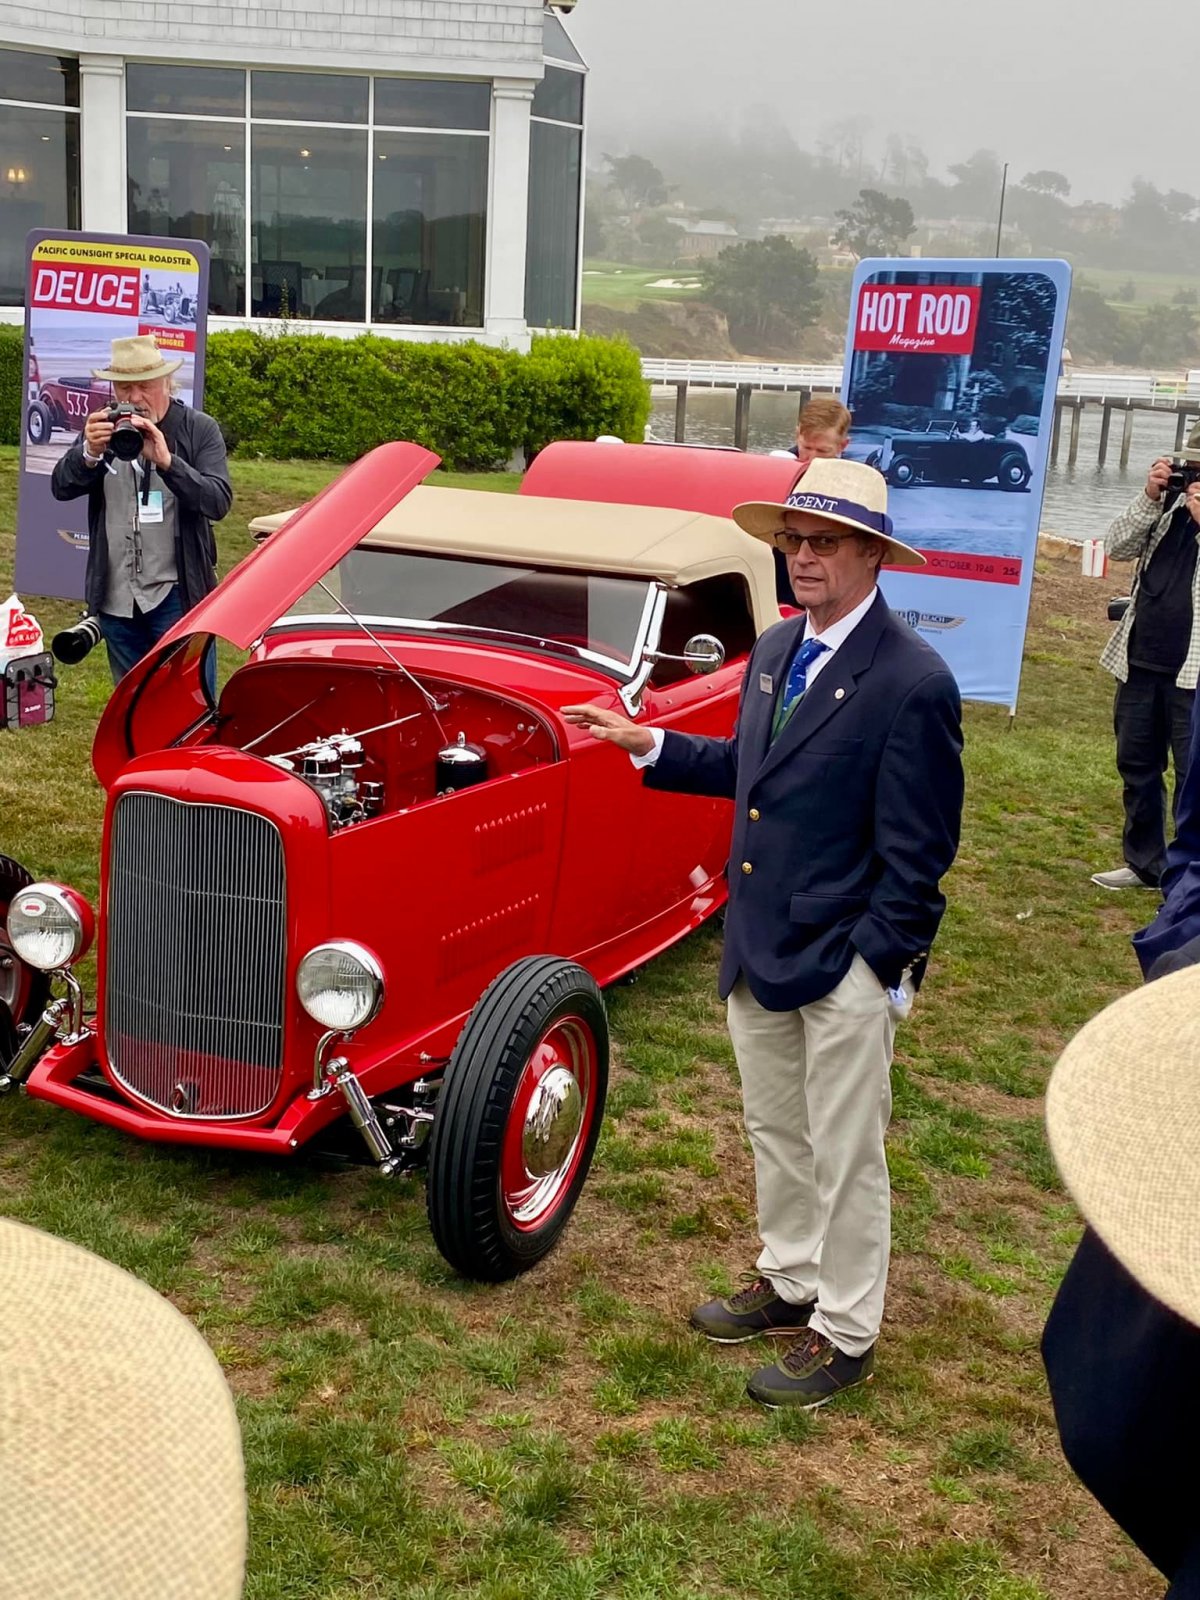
[
  {"x": 1121, "y": 878},
  {"x": 751, "y": 1312}
]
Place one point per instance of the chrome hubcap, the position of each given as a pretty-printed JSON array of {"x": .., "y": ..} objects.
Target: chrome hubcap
[{"x": 552, "y": 1122}]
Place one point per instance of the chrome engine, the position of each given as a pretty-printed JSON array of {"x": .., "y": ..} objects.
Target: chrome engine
[{"x": 333, "y": 767}]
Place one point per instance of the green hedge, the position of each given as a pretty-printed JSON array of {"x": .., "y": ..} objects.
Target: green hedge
[
  {"x": 305, "y": 396},
  {"x": 12, "y": 382}
]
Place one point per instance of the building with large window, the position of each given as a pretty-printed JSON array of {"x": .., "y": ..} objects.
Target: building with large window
[{"x": 410, "y": 166}]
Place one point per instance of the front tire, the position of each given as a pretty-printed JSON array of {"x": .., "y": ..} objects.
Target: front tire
[
  {"x": 1014, "y": 472},
  {"x": 902, "y": 472},
  {"x": 518, "y": 1119},
  {"x": 39, "y": 423}
]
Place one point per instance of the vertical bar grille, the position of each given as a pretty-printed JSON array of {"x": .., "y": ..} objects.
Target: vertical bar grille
[{"x": 196, "y": 951}]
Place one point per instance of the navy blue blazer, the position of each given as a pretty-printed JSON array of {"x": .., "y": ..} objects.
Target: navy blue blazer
[
  {"x": 1178, "y": 921},
  {"x": 845, "y": 825}
]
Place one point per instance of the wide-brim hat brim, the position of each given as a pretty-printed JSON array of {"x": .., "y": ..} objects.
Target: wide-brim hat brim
[
  {"x": 1123, "y": 1119},
  {"x": 164, "y": 369},
  {"x": 120, "y": 1448},
  {"x": 763, "y": 519}
]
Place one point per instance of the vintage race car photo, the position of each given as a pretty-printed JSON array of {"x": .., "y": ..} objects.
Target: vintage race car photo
[
  {"x": 952, "y": 459},
  {"x": 377, "y": 888},
  {"x": 64, "y": 403},
  {"x": 171, "y": 304}
]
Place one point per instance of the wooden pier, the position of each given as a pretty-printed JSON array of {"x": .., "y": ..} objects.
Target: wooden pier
[{"x": 1114, "y": 393}]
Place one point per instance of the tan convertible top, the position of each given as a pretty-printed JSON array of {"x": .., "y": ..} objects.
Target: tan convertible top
[{"x": 676, "y": 547}]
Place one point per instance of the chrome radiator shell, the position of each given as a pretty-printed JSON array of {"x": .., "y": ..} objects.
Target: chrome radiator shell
[{"x": 195, "y": 956}]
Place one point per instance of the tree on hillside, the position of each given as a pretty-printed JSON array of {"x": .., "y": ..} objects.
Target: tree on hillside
[
  {"x": 1168, "y": 337},
  {"x": 659, "y": 240},
  {"x": 637, "y": 181},
  {"x": 768, "y": 289},
  {"x": 905, "y": 162},
  {"x": 976, "y": 190},
  {"x": 1093, "y": 327},
  {"x": 1046, "y": 181},
  {"x": 875, "y": 225}
]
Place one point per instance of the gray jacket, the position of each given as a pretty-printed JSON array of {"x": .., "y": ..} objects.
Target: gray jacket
[{"x": 198, "y": 477}]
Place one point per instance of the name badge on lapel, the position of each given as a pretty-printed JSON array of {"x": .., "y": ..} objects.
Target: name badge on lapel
[{"x": 766, "y": 683}]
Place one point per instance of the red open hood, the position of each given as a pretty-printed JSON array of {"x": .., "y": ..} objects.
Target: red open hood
[{"x": 164, "y": 695}]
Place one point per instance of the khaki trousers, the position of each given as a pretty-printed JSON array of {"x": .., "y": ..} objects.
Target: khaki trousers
[{"x": 816, "y": 1087}]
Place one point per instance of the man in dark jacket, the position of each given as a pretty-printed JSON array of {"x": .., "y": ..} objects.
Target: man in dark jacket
[
  {"x": 846, "y": 772},
  {"x": 1122, "y": 1344},
  {"x": 1125, "y": 1393},
  {"x": 151, "y": 554}
]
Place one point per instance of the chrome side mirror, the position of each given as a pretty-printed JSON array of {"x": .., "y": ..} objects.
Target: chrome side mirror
[{"x": 702, "y": 654}]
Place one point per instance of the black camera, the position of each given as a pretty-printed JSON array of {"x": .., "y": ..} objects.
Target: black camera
[
  {"x": 127, "y": 441},
  {"x": 1116, "y": 608},
  {"x": 1184, "y": 472},
  {"x": 72, "y": 644}
]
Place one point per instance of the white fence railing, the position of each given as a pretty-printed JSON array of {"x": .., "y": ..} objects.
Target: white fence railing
[
  {"x": 728, "y": 374},
  {"x": 1147, "y": 387}
]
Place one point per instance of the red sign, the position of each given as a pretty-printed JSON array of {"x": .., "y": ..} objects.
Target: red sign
[
  {"x": 937, "y": 320},
  {"x": 968, "y": 564},
  {"x": 168, "y": 339},
  {"x": 113, "y": 290}
]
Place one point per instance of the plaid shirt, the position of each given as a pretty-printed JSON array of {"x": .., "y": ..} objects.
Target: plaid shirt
[{"x": 1137, "y": 534}]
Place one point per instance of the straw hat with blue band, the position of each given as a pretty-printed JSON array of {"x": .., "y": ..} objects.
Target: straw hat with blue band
[{"x": 845, "y": 492}]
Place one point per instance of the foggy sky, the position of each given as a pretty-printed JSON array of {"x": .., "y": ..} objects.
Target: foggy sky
[{"x": 1098, "y": 89}]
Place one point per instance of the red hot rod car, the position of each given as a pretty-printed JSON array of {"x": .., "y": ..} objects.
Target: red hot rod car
[
  {"x": 381, "y": 881},
  {"x": 64, "y": 403}
]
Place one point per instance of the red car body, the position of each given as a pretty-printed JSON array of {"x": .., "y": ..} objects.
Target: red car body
[
  {"x": 222, "y": 868},
  {"x": 64, "y": 403}
]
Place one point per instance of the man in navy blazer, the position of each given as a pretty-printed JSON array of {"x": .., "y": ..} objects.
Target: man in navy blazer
[
  {"x": 845, "y": 766},
  {"x": 1173, "y": 938}
]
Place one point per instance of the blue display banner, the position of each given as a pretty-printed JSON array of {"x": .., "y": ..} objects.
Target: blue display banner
[{"x": 952, "y": 370}]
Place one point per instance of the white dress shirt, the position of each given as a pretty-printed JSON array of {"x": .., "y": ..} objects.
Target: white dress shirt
[{"x": 833, "y": 639}]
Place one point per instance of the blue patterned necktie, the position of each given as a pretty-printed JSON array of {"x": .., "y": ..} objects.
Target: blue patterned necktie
[{"x": 797, "y": 682}]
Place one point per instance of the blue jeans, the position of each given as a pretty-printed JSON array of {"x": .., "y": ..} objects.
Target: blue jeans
[{"x": 128, "y": 639}]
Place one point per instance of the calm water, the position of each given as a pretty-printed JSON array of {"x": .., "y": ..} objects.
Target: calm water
[{"x": 1080, "y": 502}]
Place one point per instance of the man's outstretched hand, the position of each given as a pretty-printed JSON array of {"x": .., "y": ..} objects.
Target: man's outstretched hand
[{"x": 611, "y": 725}]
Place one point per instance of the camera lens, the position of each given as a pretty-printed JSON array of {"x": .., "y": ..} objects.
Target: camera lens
[
  {"x": 72, "y": 644},
  {"x": 126, "y": 442}
]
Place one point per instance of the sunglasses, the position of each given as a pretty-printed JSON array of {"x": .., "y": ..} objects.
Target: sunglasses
[{"x": 821, "y": 544}]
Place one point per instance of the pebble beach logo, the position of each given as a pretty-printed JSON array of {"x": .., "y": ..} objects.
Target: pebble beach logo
[{"x": 929, "y": 621}]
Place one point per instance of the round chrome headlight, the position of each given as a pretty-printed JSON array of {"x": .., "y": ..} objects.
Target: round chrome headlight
[
  {"x": 340, "y": 985},
  {"x": 49, "y": 926}
]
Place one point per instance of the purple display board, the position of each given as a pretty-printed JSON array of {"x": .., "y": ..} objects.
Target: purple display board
[{"x": 82, "y": 291}]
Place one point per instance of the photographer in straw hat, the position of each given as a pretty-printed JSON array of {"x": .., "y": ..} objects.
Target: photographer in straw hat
[
  {"x": 1122, "y": 1345},
  {"x": 151, "y": 551},
  {"x": 845, "y": 766},
  {"x": 120, "y": 1453}
]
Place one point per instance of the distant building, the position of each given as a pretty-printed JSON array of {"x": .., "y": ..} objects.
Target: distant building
[
  {"x": 704, "y": 240},
  {"x": 408, "y": 166}
]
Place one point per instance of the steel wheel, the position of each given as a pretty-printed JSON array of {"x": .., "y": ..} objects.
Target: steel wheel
[
  {"x": 902, "y": 472},
  {"x": 546, "y": 1132},
  {"x": 1014, "y": 471},
  {"x": 39, "y": 423},
  {"x": 518, "y": 1118}
]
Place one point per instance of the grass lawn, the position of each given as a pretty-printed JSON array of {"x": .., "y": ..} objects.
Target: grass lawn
[
  {"x": 410, "y": 1435},
  {"x": 1152, "y": 288},
  {"x": 607, "y": 283}
]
